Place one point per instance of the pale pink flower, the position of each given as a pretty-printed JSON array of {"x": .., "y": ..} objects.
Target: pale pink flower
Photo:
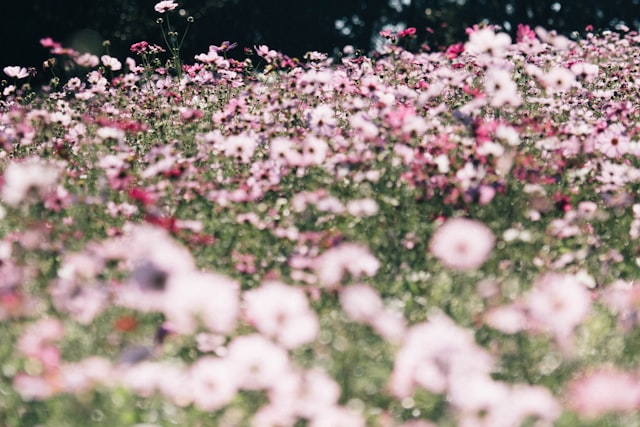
[
  {"x": 337, "y": 416},
  {"x": 322, "y": 119},
  {"x": 476, "y": 393},
  {"x": 241, "y": 147},
  {"x": 529, "y": 401},
  {"x": 212, "y": 384},
  {"x": 585, "y": 71},
  {"x": 603, "y": 391},
  {"x": 552, "y": 38},
  {"x": 86, "y": 375},
  {"x": 305, "y": 394},
  {"x": 558, "y": 303},
  {"x": 331, "y": 266},
  {"x": 87, "y": 60},
  {"x": 16, "y": 72},
  {"x": 433, "y": 354},
  {"x": 558, "y": 79},
  {"x": 613, "y": 142},
  {"x": 361, "y": 303},
  {"x": 164, "y": 6},
  {"x": 281, "y": 312},
  {"x": 362, "y": 207},
  {"x": 417, "y": 423},
  {"x": 257, "y": 362},
  {"x": 210, "y": 298},
  {"x": 285, "y": 150},
  {"x": 170, "y": 384},
  {"x": 31, "y": 387},
  {"x": 314, "y": 151},
  {"x": 509, "y": 319},
  {"x": 110, "y": 62},
  {"x": 141, "y": 378},
  {"x": 390, "y": 325},
  {"x": 154, "y": 258},
  {"x": 462, "y": 244},
  {"x": 273, "y": 415},
  {"x": 488, "y": 403},
  {"x": 267, "y": 54},
  {"x": 500, "y": 88},
  {"x": 31, "y": 177},
  {"x": 489, "y": 42}
]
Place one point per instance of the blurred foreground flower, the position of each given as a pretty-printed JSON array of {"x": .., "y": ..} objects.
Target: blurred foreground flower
[{"x": 462, "y": 244}]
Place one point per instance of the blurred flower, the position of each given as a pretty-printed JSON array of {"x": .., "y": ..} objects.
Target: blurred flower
[
  {"x": 602, "y": 391},
  {"x": 462, "y": 244},
  {"x": 281, "y": 312},
  {"x": 557, "y": 304},
  {"x": 502, "y": 90},
  {"x": 558, "y": 79},
  {"x": 212, "y": 383},
  {"x": 256, "y": 362},
  {"x": 196, "y": 296},
  {"x": 30, "y": 177},
  {"x": 354, "y": 259},
  {"x": 487, "y": 41},
  {"x": 434, "y": 354},
  {"x": 16, "y": 72},
  {"x": 110, "y": 62},
  {"x": 224, "y": 47}
]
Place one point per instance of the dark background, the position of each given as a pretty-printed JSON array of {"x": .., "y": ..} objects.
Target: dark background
[{"x": 290, "y": 26}]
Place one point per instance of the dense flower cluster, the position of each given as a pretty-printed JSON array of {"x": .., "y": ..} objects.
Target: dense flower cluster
[{"x": 412, "y": 239}]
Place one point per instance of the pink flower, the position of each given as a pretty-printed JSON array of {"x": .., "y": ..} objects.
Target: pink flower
[
  {"x": 27, "y": 178},
  {"x": 256, "y": 362},
  {"x": 212, "y": 383},
  {"x": 487, "y": 41},
  {"x": 282, "y": 312},
  {"x": 361, "y": 303},
  {"x": 210, "y": 298},
  {"x": 110, "y": 62},
  {"x": 462, "y": 244},
  {"x": 558, "y": 303},
  {"x": 164, "y": 6},
  {"x": 338, "y": 416},
  {"x": 354, "y": 259},
  {"x": 558, "y": 79},
  {"x": 603, "y": 391},
  {"x": 501, "y": 88},
  {"x": 305, "y": 394},
  {"x": 85, "y": 375},
  {"x": 509, "y": 319},
  {"x": 31, "y": 387},
  {"x": 16, "y": 72},
  {"x": 613, "y": 142},
  {"x": 241, "y": 147},
  {"x": 435, "y": 353}
]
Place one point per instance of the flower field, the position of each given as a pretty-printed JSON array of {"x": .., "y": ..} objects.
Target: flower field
[{"x": 407, "y": 239}]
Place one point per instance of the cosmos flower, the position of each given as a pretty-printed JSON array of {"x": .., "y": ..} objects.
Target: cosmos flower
[
  {"x": 164, "y": 6},
  {"x": 462, "y": 244}
]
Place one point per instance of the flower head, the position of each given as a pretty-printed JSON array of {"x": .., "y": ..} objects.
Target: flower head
[
  {"x": 16, "y": 72},
  {"x": 462, "y": 244},
  {"x": 163, "y": 6}
]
